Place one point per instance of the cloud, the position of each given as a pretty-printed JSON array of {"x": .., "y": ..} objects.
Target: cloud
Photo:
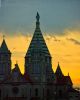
[
  {"x": 52, "y": 37},
  {"x": 77, "y": 82},
  {"x": 74, "y": 41},
  {"x": 55, "y": 39},
  {"x": 67, "y": 55}
]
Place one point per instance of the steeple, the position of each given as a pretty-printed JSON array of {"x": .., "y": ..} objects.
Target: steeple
[
  {"x": 5, "y": 60},
  {"x": 38, "y": 58},
  {"x": 58, "y": 71},
  {"x": 38, "y": 43},
  {"x": 4, "y": 48}
]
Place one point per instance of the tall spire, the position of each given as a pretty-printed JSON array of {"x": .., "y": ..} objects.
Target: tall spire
[
  {"x": 37, "y": 20},
  {"x": 38, "y": 42},
  {"x": 38, "y": 50}
]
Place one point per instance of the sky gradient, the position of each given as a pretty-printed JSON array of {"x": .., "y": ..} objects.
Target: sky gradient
[{"x": 60, "y": 25}]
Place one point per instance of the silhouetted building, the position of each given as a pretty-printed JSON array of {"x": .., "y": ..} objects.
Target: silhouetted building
[
  {"x": 39, "y": 81},
  {"x": 63, "y": 84}
]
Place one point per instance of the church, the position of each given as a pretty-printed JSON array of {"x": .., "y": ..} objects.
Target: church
[{"x": 39, "y": 81}]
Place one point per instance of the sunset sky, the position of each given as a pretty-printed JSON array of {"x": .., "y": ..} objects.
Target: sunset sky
[{"x": 60, "y": 25}]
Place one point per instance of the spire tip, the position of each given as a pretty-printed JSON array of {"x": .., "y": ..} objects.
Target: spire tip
[
  {"x": 58, "y": 63},
  {"x": 3, "y": 37},
  {"x": 37, "y": 16}
]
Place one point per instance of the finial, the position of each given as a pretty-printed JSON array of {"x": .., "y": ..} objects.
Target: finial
[
  {"x": 58, "y": 63},
  {"x": 3, "y": 37},
  {"x": 37, "y": 17},
  {"x": 16, "y": 63},
  {"x": 37, "y": 21},
  {"x": 68, "y": 74}
]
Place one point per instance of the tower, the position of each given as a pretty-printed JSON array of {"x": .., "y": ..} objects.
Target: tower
[
  {"x": 38, "y": 59},
  {"x": 58, "y": 72},
  {"x": 5, "y": 61}
]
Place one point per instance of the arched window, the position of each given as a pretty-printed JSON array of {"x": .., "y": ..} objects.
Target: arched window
[{"x": 36, "y": 92}]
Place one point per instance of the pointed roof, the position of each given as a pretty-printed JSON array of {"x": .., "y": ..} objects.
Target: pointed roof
[
  {"x": 58, "y": 71},
  {"x": 38, "y": 43},
  {"x": 68, "y": 80},
  {"x": 16, "y": 75},
  {"x": 60, "y": 78},
  {"x": 16, "y": 69},
  {"x": 4, "y": 48}
]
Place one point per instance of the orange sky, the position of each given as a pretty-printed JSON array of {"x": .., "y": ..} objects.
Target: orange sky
[{"x": 64, "y": 49}]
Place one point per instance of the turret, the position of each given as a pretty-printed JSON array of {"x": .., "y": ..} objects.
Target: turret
[
  {"x": 58, "y": 72},
  {"x": 5, "y": 61}
]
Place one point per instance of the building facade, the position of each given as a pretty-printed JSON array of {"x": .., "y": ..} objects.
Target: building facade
[{"x": 39, "y": 81}]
